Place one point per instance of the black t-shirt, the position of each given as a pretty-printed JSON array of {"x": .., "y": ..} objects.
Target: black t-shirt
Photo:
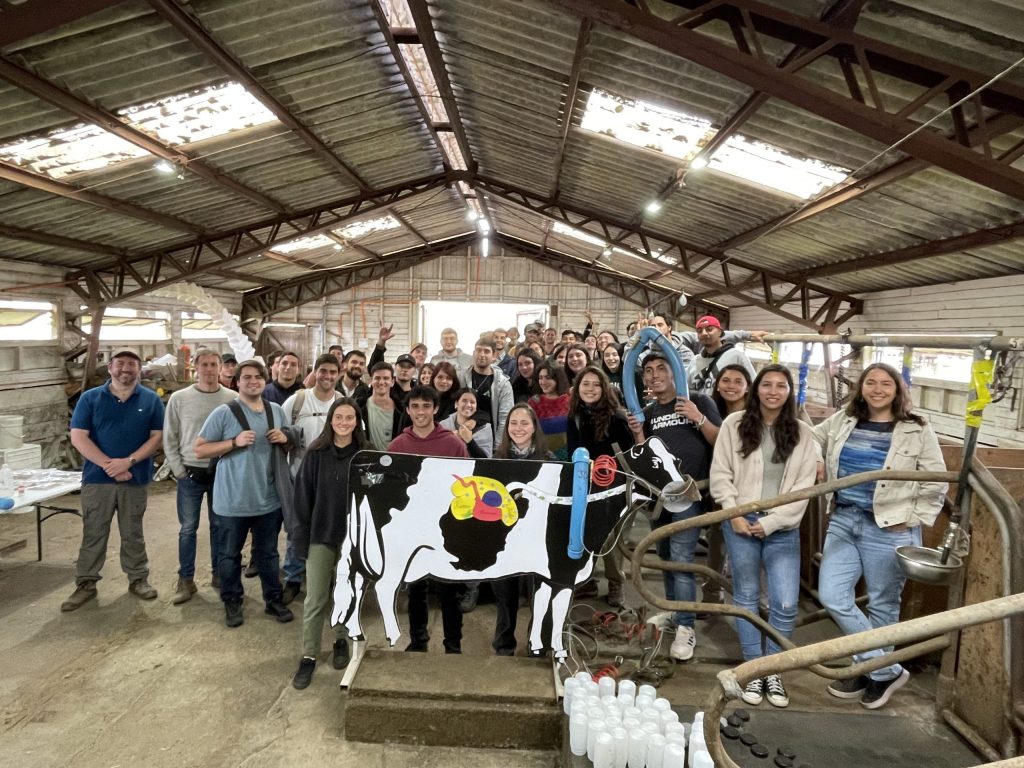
[
  {"x": 481, "y": 383},
  {"x": 681, "y": 436}
]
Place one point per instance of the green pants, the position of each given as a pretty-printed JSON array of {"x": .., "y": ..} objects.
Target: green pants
[{"x": 320, "y": 567}]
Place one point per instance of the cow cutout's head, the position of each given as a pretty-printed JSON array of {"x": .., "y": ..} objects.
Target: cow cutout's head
[{"x": 652, "y": 463}]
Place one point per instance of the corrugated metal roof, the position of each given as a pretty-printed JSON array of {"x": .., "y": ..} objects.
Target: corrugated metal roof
[{"x": 509, "y": 64}]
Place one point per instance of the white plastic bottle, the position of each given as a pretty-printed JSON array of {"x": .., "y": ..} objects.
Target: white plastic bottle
[{"x": 6, "y": 481}]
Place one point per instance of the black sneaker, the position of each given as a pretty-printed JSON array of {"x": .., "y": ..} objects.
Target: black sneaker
[
  {"x": 340, "y": 657},
  {"x": 849, "y": 689},
  {"x": 878, "y": 693},
  {"x": 417, "y": 646},
  {"x": 291, "y": 591},
  {"x": 304, "y": 675},
  {"x": 279, "y": 611},
  {"x": 233, "y": 613}
]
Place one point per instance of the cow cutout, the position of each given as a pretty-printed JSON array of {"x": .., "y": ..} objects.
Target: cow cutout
[{"x": 481, "y": 519}]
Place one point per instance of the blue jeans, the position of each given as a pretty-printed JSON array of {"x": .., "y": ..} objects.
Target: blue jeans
[
  {"x": 294, "y": 567},
  {"x": 679, "y": 548},
  {"x": 855, "y": 546},
  {"x": 190, "y": 507},
  {"x": 233, "y": 530},
  {"x": 779, "y": 553}
]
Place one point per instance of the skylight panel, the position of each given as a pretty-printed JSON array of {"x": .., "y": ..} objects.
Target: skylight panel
[
  {"x": 303, "y": 244},
  {"x": 663, "y": 130},
  {"x": 178, "y": 120},
  {"x": 682, "y": 136},
  {"x": 353, "y": 231}
]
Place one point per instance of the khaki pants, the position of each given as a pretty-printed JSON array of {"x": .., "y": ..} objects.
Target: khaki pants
[
  {"x": 99, "y": 501},
  {"x": 320, "y": 567}
]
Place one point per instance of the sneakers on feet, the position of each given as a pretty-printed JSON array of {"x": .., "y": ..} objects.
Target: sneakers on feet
[
  {"x": 849, "y": 689},
  {"x": 233, "y": 613},
  {"x": 304, "y": 675},
  {"x": 183, "y": 591},
  {"x": 279, "y": 611},
  {"x": 141, "y": 588},
  {"x": 468, "y": 598},
  {"x": 753, "y": 694},
  {"x": 416, "y": 646},
  {"x": 775, "y": 691},
  {"x": 339, "y": 655},
  {"x": 83, "y": 594},
  {"x": 615, "y": 595},
  {"x": 879, "y": 692},
  {"x": 587, "y": 589},
  {"x": 291, "y": 591},
  {"x": 683, "y": 645}
]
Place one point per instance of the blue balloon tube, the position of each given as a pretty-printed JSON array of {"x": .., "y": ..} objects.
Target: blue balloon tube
[
  {"x": 580, "y": 489},
  {"x": 650, "y": 334}
]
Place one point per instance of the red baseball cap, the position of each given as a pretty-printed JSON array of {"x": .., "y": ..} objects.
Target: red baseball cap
[{"x": 709, "y": 321}]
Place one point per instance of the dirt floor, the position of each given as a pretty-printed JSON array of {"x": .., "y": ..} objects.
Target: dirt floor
[{"x": 124, "y": 682}]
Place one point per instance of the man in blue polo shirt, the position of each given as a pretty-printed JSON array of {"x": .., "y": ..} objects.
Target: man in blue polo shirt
[{"x": 117, "y": 427}]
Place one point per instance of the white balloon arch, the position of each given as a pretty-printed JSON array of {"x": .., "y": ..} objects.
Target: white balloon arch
[{"x": 204, "y": 302}]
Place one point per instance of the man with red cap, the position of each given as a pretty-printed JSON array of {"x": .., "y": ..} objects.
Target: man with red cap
[{"x": 716, "y": 354}]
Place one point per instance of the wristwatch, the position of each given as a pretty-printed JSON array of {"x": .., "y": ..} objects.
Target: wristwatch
[{"x": 132, "y": 461}]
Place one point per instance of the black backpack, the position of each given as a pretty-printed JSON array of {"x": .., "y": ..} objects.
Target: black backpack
[{"x": 239, "y": 413}]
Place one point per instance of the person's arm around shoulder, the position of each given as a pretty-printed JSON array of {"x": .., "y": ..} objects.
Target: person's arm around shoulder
[{"x": 928, "y": 502}]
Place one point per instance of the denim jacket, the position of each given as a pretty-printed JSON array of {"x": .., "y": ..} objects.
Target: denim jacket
[{"x": 914, "y": 447}]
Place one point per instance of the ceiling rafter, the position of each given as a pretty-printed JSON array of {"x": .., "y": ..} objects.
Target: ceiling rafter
[
  {"x": 392, "y": 37},
  {"x": 842, "y": 14},
  {"x": 601, "y": 226},
  {"x": 572, "y": 90},
  {"x": 288, "y": 294},
  {"x": 432, "y": 50},
  {"x": 195, "y": 33},
  {"x": 59, "y": 241},
  {"x": 978, "y": 239},
  {"x": 886, "y": 127},
  {"x": 126, "y": 278},
  {"x": 47, "y": 91},
  {"x": 404, "y": 221},
  {"x": 855, "y": 188},
  {"x": 33, "y": 17},
  {"x": 11, "y": 172},
  {"x": 638, "y": 291}
]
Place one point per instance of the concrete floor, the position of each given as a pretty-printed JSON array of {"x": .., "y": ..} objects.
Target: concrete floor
[{"x": 122, "y": 682}]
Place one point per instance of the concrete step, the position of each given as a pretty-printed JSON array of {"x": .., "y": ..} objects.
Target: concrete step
[{"x": 455, "y": 701}]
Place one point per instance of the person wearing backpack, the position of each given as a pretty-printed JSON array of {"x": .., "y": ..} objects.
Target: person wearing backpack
[
  {"x": 717, "y": 353},
  {"x": 242, "y": 437}
]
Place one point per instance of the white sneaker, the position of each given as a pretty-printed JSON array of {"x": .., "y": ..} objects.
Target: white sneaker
[
  {"x": 776, "y": 694},
  {"x": 753, "y": 694},
  {"x": 683, "y": 645}
]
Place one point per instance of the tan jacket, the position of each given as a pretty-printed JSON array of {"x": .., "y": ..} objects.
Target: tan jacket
[
  {"x": 914, "y": 447},
  {"x": 737, "y": 480}
]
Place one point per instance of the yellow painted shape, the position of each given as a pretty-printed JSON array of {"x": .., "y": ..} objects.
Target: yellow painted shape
[{"x": 466, "y": 491}]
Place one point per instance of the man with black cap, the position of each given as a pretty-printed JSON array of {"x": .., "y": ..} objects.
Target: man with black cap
[
  {"x": 228, "y": 364},
  {"x": 405, "y": 374},
  {"x": 117, "y": 427}
]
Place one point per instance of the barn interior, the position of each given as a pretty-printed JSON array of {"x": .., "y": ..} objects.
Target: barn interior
[{"x": 844, "y": 174}]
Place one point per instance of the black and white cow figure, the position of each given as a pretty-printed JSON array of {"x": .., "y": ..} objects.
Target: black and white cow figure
[{"x": 480, "y": 519}]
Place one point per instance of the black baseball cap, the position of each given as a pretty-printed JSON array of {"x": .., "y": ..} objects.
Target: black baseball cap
[
  {"x": 229, "y": 357},
  {"x": 406, "y": 360}
]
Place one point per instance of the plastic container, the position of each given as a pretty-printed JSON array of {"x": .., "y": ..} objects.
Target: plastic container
[
  {"x": 6, "y": 481},
  {"x": 578, "y": 734}
]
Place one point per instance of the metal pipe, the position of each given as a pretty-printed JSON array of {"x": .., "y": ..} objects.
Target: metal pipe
[
  {"x": 732, "y": 681},
  {"x": 995, "y": 343},
  {"x": 972, "y": 737}
]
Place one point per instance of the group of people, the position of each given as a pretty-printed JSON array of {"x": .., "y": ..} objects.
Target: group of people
[{"x": 269, "y": 448}]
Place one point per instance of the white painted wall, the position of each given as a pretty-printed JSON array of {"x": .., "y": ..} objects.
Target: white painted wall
[{"x": 994, "y": 305}]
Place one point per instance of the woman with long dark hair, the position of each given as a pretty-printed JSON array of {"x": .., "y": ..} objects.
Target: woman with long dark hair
[
  {"x": 552, "y": 406},
  {"x": 577, "y": 357},
  {"x": 524, "y": 384},
  {"x": 877, "y": 430},
  {"x": 611, "y": 364},
  {"x": 321, "y": 514},
  {"x": 476, "y": 433},
  {"x": 426, "y": 375},
  {"x": 598, "y": 423},
  {"x": 446, "y": 382},
  {"x": 762, "y": 452},
  {"x": 732, "y": 386},
  {"x": 522, "y": 438}
]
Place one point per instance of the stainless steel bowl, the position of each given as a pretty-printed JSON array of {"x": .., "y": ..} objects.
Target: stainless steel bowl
[{"x": 925, "y": 564}]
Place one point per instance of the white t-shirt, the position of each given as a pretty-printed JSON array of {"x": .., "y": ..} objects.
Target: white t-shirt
[{"x": 310, "y": 418}]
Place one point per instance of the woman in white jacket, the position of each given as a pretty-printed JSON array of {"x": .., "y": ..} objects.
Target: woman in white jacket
[
  {"x": 877, "y": 430},
  {"x": 762, "y": 452}
]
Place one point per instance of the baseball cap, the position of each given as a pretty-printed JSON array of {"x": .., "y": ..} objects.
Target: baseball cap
[
  {"x": 709, "y": 321},
  {"x": 125, "y": 352},
  {"x": 228, "y": 357},
  {"x": 406, "y": 360}
]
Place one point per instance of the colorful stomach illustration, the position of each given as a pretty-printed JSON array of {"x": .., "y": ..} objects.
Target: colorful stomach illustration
[{"x": 484, "y": 499}]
